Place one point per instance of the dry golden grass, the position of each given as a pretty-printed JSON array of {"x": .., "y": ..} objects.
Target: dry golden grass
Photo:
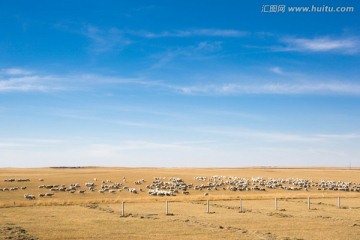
[{"x": 97, "y": 216}]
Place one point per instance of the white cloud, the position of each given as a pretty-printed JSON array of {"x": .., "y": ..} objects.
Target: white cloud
[
  {"x": 33, "y": 83},
  {"x": 108, "y": 121},
  {"x": 349, "y": 136},
  {"x": 20, "y": 143},
  {"x": 105, "y": 40},
  {"x": 277, "y": 70},
  {"x": 247, "y": 147},
  {"x": 191, "y": 33},
  {"x": 321, "y": 44},
  {"x": 272, "y": 88},
  {"x": 89, "y": 82},
  {"x": 136, "y": 145},
  {"x": 220, "y": 32},
  {"x": 8, "y": 145},
  {"x": 260, "y": 135},
  {"x": 232, "y": 114},
  {"x": 146, "y": 153},
  {"x": 52, "y": 83},
  {"x": 15, "y": 71},
  {"x": 276, "y": 136},
  {"x": 200, "y": 51},
  {"x": 209, "y": 46}
]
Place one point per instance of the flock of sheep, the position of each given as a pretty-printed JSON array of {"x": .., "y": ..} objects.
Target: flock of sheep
[{"x": 162, "y": 186}]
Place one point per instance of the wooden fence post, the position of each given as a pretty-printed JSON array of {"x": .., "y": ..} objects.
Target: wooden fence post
[
  {"x": 123, "y": 209},
  {"x": 339, "y": 202},
  {"x": 166, "y": 208},
  {"x": 241, "y": 207},
  {"x": 276, "y": 204},
  {"x": 309, "y": 203},
  {"x": 207, "y": 206}
]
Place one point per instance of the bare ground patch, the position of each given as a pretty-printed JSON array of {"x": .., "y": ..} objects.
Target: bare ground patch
[{"x": 12, "y": 231}]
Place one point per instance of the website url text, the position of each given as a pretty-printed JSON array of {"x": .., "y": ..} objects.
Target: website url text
[{"x": 308, "y": 9}]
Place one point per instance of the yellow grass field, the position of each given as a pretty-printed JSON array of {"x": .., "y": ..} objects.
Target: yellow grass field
[{"x": 94, "y": 215}]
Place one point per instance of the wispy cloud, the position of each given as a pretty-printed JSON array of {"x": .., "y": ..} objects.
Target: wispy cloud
[
  {"x": 320, "y": 44},
  {"x": 101, "y": 39},
  {"x": 135, "y": 145},
  {"x": 32, "y": 83},
  {"x": 277, "y": 70},
  {"x": 147, "y": 153},
  {"x": 234, "y": 114},
  {"x": 349, "y": 136},
  {"x": 105, "y": 40},
  {"x": 7, "y": 145},
  {"x": 275, "y": 136},
  {"x": 272, "y": 88},
  {"x": 191, "y": 33},
  {"x": 91, "y": 82},
  {"x": 95, "y": 79},
  {"x": 52, "y": 83},
  {"x": 260, "y": 135},
  {"x": 15, "y": 71},
  {"x": 15, "y": 143},
  {"x": 199, "y": 51},
  {"x": 108, "y": 121},
  {"x": 145, "y": 111}
]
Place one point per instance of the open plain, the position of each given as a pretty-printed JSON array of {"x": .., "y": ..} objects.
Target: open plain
[{"x": 86, "y": 203}]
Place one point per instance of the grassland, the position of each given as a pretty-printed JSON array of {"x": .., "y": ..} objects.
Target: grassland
[{"x": 98, "y": 216}]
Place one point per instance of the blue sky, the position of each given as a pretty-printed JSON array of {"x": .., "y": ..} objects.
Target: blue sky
[{"x": 178, "y": 84}]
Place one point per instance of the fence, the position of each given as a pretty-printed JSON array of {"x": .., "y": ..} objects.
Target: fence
[{"x": 305, "y": 203}]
